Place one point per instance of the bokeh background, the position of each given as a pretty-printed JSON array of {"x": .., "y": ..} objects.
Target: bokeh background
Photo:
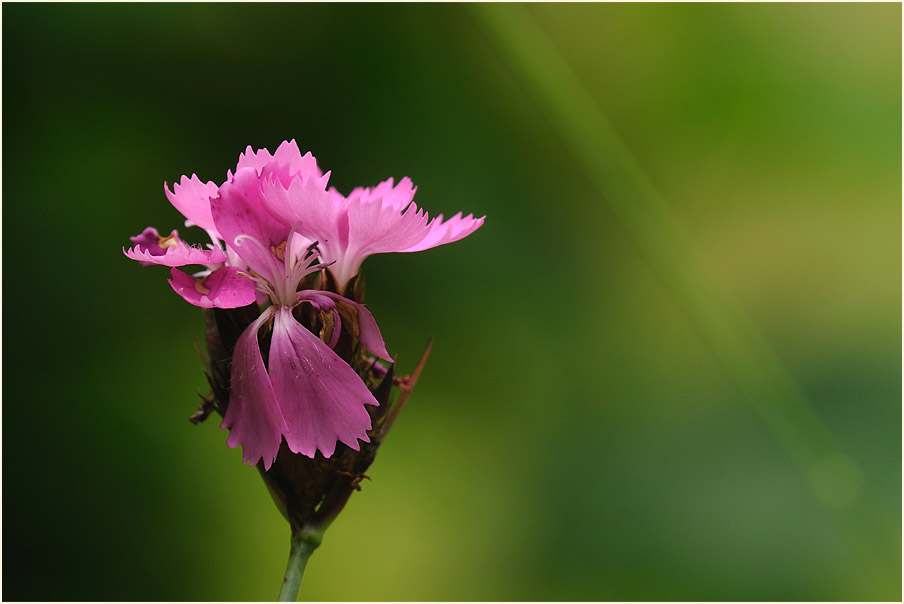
[{"x": 579, "y": 432}]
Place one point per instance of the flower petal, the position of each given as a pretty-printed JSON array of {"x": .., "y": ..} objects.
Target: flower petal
[
  {"x": 312, "y": 211},
  {"x": 192, "y": 197},
  {"x": 377, "y": 222},
  {"x": 397, "y": 197},
  {"x": 225, "y": 287},
  {"x": 150, "y": 240},
  {"x": 322, "y": 399},
  {"x": 238, "y": 212},
  {"x": 306, "y": 201},
  {"x": 150, "y": 248},
  {"x": 180, "y": 256},
  {"x": 440, "y": 232},
  {"x": 253, "y": 416},
  {"x": 287, "y": 156},
  {"x": 370, "y": 221}
]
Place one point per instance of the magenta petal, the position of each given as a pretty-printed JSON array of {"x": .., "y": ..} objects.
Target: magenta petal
[
  {"x": 150, "y": 241},
  {"x": 317, "y": 214},
  {"x": 322, "y": 399},
  {"x": 178, "y": 255},
  {"x": 287, "y": 157},
  {"x": 395, "y": 196},
  {"x": 225, "y": 287},
  {"x": 377, "y": 222},
  {"x": 288, "y": 163},
  {"x": 303, "y": 200},
  {"x": 253, "y": 159},
  {"x": 253, "y": 416},
  {"x": 441, "y": 232},
  {"x": 373, "y": 228},
  {"x": 192, "y": 197},
  {"x": 246, "y": 226}
]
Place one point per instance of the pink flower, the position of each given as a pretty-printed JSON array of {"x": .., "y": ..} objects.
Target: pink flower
[
  {"x": 349, "y": 229},
  {"x": 306, "y": 393},
  {"x": 269, "y": 224}
]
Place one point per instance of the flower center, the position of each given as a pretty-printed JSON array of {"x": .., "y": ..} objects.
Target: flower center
[{"x": 281, "y": 284}]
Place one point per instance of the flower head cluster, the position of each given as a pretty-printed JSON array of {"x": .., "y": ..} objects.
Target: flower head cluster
[{"x": 272, "y": 223}]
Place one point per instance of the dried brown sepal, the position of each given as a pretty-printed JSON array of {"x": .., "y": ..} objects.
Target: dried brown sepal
[
  {"x": 205, "y": 408},
  {"x": 349, "y": 316},
  {"x": 328, "y": 323}
]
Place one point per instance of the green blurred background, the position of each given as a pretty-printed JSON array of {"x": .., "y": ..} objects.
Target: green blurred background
[{"x": 575, "y": 435}]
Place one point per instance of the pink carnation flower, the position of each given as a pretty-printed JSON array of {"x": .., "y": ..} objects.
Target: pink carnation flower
[
  {"x": 306, "y": 394},
  {"x": 264, "y": 223}
]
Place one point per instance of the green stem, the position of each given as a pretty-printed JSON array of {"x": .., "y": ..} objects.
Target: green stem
[{"x": 302, "y": 547}]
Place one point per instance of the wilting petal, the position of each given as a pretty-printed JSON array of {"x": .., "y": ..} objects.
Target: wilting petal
[
  {"x": 239, "y": 213},
  {"x": 253, "y": 416},
  {"x": 151, "y": 242},
  {"x": 364, "y": 328},
  {"x": 322, "y": 399},
  {"x": 225, "y": 287},
  {"x": 192, "y": 197},
  {"x": 440, "y": 232}
]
